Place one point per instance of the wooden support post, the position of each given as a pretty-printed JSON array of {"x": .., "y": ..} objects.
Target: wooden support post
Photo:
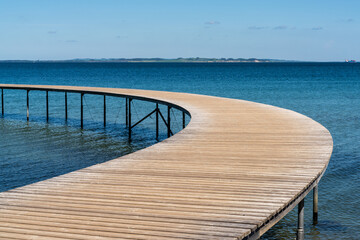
[
  {"x": 2, "y": 101},
  {"x": 315, "y": 205},
  {"x": 66, "y": 107},
  {"x": 126, "y": 112},
  {"x": 27, "y": 105},
  {"x": 183, "y": 120},
  {"x": 82, "y": 111},
  {"x": 129, "y": 118},
  {"x": 157, "y": 121},
  {"x": 168, "y": 121},
  {"x": 104, "y": 111},
  {"x": 47, "y": 106},
  {"x": 300, "y": 229}
]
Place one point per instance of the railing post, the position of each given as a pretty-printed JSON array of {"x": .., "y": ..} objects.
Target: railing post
[
  {"x": 168, "y": 120},
  {"x": 157, "y": 121},
  {"x": 183, "y": 119},
  {"x": 47, "y": 106},
  {"x": 66, "y": 107},
  {"x": 2, "y": 101},
  {"x": 27, "y": 105},
  {"x": 300, "y": 229},
  {"x": 315, "y": 205},
  {"x": 126, "y": 112},
  {"x": 129, "y": 118},
  {"x": 82, "y": 111},
  {"x": 104, "y": 110}
]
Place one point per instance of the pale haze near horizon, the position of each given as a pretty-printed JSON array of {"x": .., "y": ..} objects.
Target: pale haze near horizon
[{"x": 59, "y": 30}]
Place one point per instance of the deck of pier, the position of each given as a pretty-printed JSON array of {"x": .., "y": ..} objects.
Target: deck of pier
[{"x": 232, "y": 173}]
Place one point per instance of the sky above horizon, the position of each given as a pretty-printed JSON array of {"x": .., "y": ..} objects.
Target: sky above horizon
[{"x": 278, "y": 29}]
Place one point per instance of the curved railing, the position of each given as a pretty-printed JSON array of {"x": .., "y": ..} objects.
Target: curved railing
[
  {"x": 232, "y": 173},
  {"x": 83, "y": 91}
]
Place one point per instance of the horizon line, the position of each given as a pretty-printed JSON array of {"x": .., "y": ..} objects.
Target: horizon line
[{"x": 178, "y": 59}]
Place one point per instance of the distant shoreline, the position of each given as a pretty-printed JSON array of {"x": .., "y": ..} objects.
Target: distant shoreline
[
  {"x": 160, "y": 60},
  {"x": 168, "y": 60}
]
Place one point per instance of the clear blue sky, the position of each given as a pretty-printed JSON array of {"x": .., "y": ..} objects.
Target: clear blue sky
[{"x": 315, "y": 30}]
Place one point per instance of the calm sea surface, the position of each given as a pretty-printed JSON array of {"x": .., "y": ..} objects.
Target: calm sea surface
[{"x": 327, "y": 92}]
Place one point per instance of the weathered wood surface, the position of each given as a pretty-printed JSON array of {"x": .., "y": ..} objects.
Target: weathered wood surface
[{"x": 235, "y": 169}]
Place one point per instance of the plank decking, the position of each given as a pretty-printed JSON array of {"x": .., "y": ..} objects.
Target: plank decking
[{"x": 232, "y": 173}]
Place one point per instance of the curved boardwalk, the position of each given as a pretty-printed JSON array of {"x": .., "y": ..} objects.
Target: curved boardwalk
[{"x": 232, "y": 173}]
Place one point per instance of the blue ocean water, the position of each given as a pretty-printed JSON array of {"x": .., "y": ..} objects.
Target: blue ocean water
[{"x": 327, "y": 92}]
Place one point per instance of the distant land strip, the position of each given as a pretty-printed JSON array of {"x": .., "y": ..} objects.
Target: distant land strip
[{"x": 165, "y": 60}]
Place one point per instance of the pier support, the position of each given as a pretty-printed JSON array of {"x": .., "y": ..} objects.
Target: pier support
[
  {"x": 47, "y": 106},
  {"x": 168, "y": 122},
  {"x": 66, "y": 107},
  {"x": 315, "y": 205},
  {"x": 126, "y": 112},
  {"x": 2, "y": 101},
  {"x": 183, "y": 119},
  {"x": 129, "y": 117},
  {"x": 82, "y": 111},
  {"x": 104, "y": 111},
  {"x": 157, "y": 122},
  {"x": 300, "y": 228},
  {"x": 27, "y": 105}
]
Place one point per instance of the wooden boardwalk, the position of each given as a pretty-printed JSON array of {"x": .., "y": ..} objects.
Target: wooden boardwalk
[{"x": 232, "y": 173}]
